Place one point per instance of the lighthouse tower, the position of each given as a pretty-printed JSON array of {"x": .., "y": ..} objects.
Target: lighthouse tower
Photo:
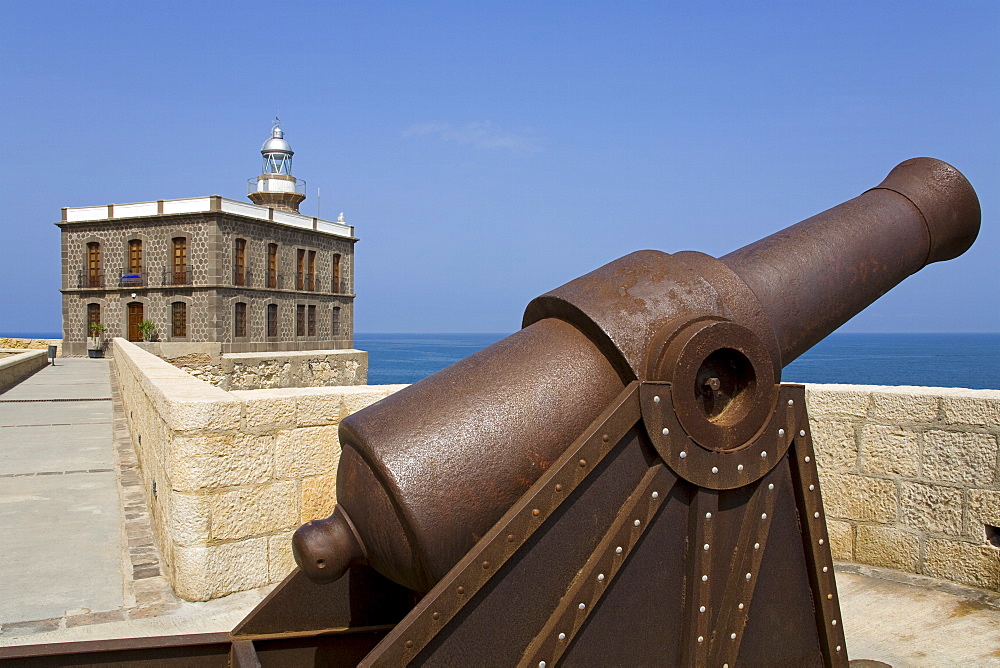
[{"x": 276, "y": 187}]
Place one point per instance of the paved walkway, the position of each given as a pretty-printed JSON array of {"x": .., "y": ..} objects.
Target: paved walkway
[
  {"x": 76, "y": 544},
  {"x": 59, "y": 507}
]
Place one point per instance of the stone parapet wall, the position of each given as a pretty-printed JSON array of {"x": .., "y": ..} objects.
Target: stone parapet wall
[
  {"x": 317, "y": 368},
  {"x": 230, "y": 475},
  {"x": 910, "y": 478},
  {"x": 32, "y": 344},
  {"x": 265, "y": 370},
  {"x": 16, "y": 364}
]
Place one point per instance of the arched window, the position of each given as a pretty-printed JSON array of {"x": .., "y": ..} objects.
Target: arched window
[
  {"x": 93, "y": 318},
  {"x": 272, "y": 319},
  {"x": 178, "y": 319},
  {"x": 337, "y": 286},
  {"x": 336, "y": 321},
  {"x": 132, "y": 276},
  {"x": 181, "y": 275},
  {"x": 93, "y": 278},
  {"x": 240, "y": 319}
]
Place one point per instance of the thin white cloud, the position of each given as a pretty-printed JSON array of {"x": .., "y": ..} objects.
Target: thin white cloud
[{"x": 483, "y": 134}]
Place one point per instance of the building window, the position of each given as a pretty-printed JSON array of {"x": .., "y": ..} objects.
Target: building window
[
  {"x": 336, "y": 321},
  {"x": 178, "y": 319},
  {"x": 337, "y": 287},
  {"x": 180, "y": 269},
  {"x": 312, "y": 320},
  {"x": 300, "y": 320},
  {"x": 94, "y": 277},
  {"x": 311, "y": 272},
  {"x": 240, "y": 262},
  {"x": 240, "y": 319},
  {"x": 272, "y": 319},
  {"x": 272, "y": 265},
  {"x": 300, "y": 269},
  {"x": 135, "y": 256},
  {"x": 132, "y": 277},
  {"x": 93, "y": 318}
]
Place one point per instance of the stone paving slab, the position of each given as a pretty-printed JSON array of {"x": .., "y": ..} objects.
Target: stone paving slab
[
  {"x": 78, "y": 447},
  {"x": 55, "y": 412},
  {"x": 70, "y": 378},
  {"x": 909, "y": 620},
  {"x": 61, "y": 546}
]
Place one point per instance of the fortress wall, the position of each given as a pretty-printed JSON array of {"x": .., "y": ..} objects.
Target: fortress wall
[
  {"x": 17, "y": 364},
  {"x": 235, "y": 473},
  {"x": 910, "y": 478},
  {"x": 909, "y": 475}
]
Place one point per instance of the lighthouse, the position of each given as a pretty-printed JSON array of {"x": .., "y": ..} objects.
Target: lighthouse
[{"x": 276, "y": 187}]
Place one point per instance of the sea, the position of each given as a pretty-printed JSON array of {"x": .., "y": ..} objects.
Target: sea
[{"x": 931, "y": 360}]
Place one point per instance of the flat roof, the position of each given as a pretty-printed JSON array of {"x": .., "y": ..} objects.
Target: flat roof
[{"x": 208, "y": 204}]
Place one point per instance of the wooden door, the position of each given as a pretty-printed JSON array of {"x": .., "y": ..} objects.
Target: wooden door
[{"x": 134, "y": 318}]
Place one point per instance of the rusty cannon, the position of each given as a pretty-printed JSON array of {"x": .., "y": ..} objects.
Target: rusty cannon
[{"x": 624, "y": 481}]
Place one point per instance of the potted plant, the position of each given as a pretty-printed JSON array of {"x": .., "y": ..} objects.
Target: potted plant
[
  {"x": 95, "y": 342},
  {"x": 147, "y": 330}
]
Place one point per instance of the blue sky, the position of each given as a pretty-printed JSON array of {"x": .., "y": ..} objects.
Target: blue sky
[{"x": 488, "y": 152}]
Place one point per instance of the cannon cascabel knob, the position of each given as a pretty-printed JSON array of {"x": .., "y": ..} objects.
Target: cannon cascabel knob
[{"x": 325, "y": 549}]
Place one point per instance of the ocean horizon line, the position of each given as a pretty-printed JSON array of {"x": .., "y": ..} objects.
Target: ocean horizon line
[{"x": 41, "y": 334}]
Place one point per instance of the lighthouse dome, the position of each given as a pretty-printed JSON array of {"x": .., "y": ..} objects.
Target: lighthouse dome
[{"x": 277, "y": 143}]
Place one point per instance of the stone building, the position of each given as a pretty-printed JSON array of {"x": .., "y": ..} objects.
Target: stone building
[{"x": 251, "y": 277}]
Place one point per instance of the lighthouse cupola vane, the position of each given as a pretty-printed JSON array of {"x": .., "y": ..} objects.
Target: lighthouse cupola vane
[{"x": 276, "y": 187}]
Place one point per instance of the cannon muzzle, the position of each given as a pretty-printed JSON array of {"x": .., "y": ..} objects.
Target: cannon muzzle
[{"x": 428, "y": 471}]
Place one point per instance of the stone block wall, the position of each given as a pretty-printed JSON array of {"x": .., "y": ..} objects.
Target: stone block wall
[
  {"x": 910, "y": 478},
  {"x": 230, "y": 475},
  {"x": 17, "y": 364},
  {"x": 32, "y": 344}
]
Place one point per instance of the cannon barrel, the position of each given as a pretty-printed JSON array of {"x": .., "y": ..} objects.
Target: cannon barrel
[{"x": 427, "y": 471}]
